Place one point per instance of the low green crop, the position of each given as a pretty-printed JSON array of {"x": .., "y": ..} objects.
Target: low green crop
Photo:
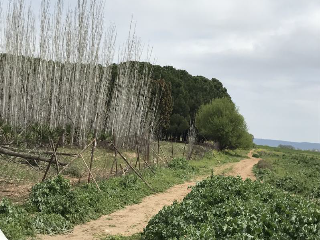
[
  {"x": 292, "y": 171},
  {"x": 15, "y": 222},
  {"x": 229, "y": 208}
]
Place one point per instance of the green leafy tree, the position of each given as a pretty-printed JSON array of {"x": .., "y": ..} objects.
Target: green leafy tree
[
  {"x": 188, "y": 94},
  {"x": 221, "y": 122},
  {"x": 178, "y": 127}
]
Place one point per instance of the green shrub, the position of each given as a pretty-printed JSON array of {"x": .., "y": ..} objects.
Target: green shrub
[
  {"x": 263, "y": 164},
  {"x": 179, "y": 163},
  {"x": 221, "y": 122},
  {"x": 255, "y": 155},
  {"x": 53, "y": 196},
  {"x": 129, "y": 180}
]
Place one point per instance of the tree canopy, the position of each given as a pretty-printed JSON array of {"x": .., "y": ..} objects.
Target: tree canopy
[
  {"x": 221, "y": 122},
  {"x": 188, "y": 94}
]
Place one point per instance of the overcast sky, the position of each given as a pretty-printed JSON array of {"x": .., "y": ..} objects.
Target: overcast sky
[{"x": 265, "y": 52}]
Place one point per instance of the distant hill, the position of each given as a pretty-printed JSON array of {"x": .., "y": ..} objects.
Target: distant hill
[{"x": 297, "y": 145}]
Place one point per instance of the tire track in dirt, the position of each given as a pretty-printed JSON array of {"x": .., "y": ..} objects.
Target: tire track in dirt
[{"x": 134, "y": 218}]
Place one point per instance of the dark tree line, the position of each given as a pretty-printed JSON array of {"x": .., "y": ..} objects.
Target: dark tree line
[
  {"x": 188, "y": 94},
  {"x": 179, "y": 96}
]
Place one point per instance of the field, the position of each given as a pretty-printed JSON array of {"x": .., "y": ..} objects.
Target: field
[
  {"x": 282, "y": 204},
  {"x": 296, "y": 172},
  {"x": 55, "y": 205},
  {"x": 229, "y": 208}
]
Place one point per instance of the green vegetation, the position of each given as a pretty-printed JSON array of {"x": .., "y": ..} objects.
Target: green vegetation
[
  {"x": 133, "y": 237},
  {"x": 255, "y": 155},
  {"x": 181, "y": 95},
  {"x": 54, "y": 206},
  {"x": 19, "y": 171},
  {"x": 293, "y": 171},
  {"x": 229, "y": 208},
  {"x": 221, "y": 122},
  {"x": 188, "y": 94}
]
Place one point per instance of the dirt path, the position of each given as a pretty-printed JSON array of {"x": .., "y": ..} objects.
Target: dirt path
[
  {"x": 242, "y": 168},
  {"x": 132, "y": 219}
]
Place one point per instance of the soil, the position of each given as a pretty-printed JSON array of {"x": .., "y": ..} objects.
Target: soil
[
  {"x": 15, "y": 191},
  {"x": 133, "y": 219}
]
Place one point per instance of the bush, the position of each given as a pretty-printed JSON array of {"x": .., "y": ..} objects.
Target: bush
[
  {"x": 179, "y": 163},
  {"x": 221, "y": 122},
  {"x": 263, "y": 164},
  {"x": 53, "y": 196},
  {"x": 255, "y": 155}
]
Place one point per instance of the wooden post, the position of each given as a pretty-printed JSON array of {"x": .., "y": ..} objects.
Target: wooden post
[
  {"x": 76, "y": 157},
  {"x": 172, "y": 150},
  {"x": 90, "y": 172},
  {"x": 115, "y": 162},
  {"x": 63, "y": 138},
  {"x": 148, "y": 151},
  {"x": 92, "y": 155},
  {"x": 158, "y": 150},
  {"x": 115, "y": 154},
  {"x": 53, "y": 156},
  {"x": 48, "y": 167},
  {"x": 135, "y": 171},
  {"x": 138, "y": 158}
]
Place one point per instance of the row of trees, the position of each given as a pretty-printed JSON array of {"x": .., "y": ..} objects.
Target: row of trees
[
  {"x": 188, "y": 93},
  {"x": 57, "y": 72},
  {"x": 63, "y": 77}
]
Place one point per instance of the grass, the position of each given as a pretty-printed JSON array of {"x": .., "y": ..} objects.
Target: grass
[
  {"x": 215, "y": 158},
  {"x": 54, "y": 206},
  {"x": 119, "y": 237},
  {"x": 294, "y": 171},
  {"x": 19, "y": 170}
]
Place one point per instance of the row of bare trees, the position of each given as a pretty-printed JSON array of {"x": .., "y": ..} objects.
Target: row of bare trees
[{"x": 57, "y": 70}]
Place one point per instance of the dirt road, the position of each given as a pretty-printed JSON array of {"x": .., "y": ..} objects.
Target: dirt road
[{"x": 132, "y": 219}]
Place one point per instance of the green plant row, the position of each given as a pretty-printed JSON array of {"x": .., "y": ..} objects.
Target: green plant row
[{"x": 229, "y": 208}]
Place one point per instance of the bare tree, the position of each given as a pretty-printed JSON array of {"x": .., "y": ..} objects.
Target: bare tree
[{"x": 58, "y": 74}]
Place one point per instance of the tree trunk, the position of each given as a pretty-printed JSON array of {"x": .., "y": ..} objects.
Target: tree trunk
[{"x": 26, "y": 156}]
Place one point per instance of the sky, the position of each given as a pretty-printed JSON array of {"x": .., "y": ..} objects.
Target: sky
[{"x": 265, "y": 52}]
